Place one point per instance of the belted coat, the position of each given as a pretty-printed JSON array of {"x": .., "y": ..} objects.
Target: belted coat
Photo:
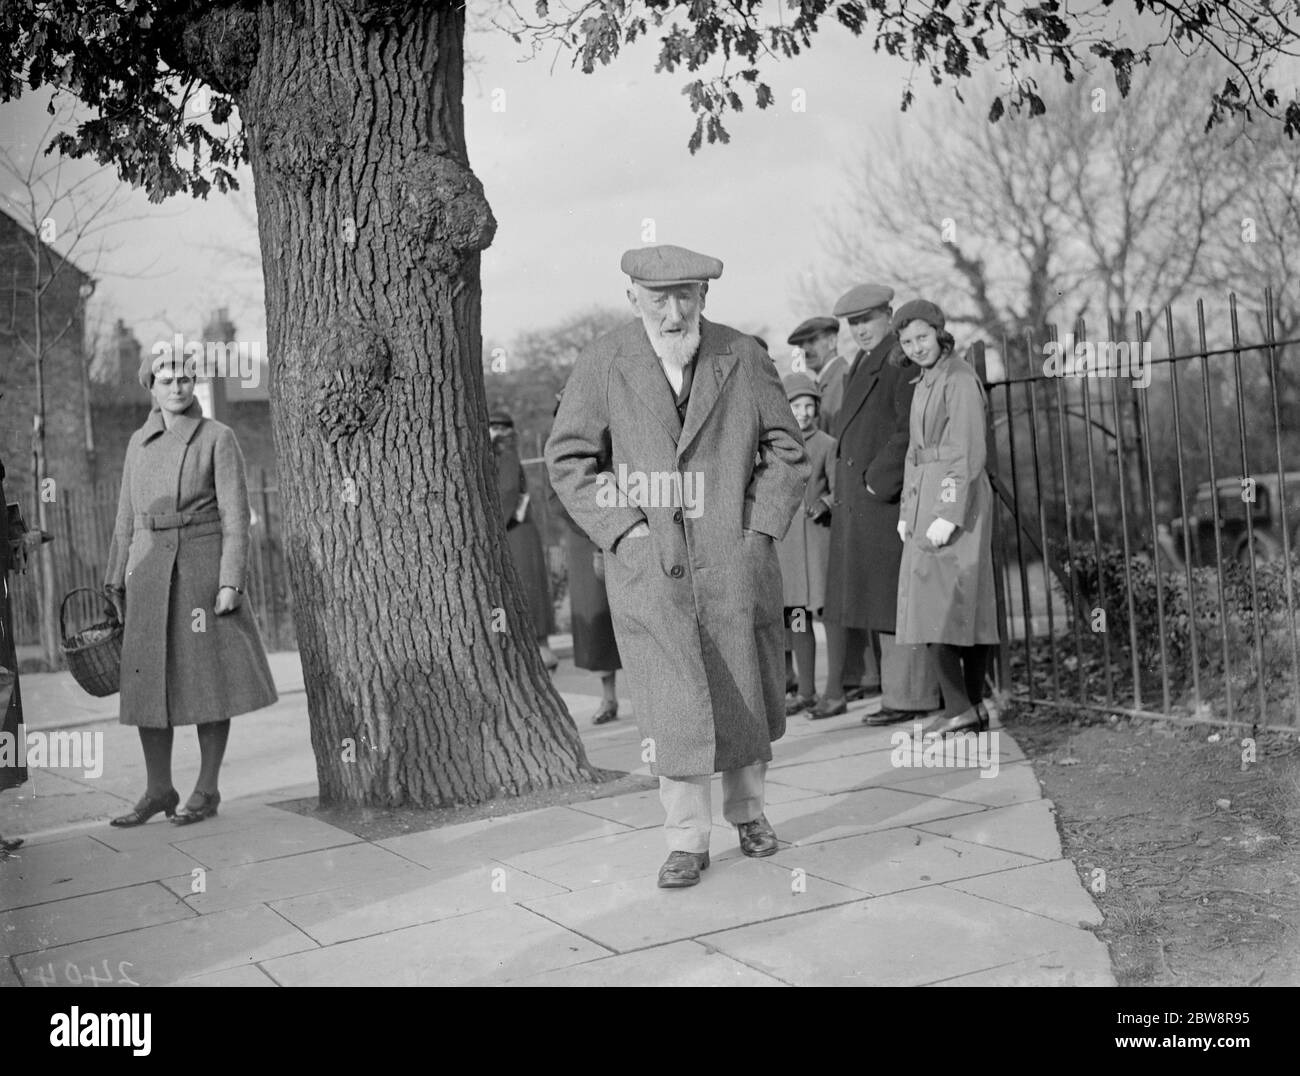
[
  {"x": 804, "y": 550},
  {"x": 945, "y": 595},
  {"x": 696, "y": 605},
  {"x": 523, "y": 536},
  {"x": 182, "y": 534},
  {"x": 871, "y": 440}
]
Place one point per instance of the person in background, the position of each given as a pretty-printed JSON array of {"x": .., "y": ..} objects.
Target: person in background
[
  {"x": 11, "y": 702},
  {"x": 817, "y": 339},
  {"x": 525, "y": 541},
  {"x": 945, "y": 582},
  {"x": 594, "y": 645},
  {"x": 804, "y": 550},
  {"x": 191, "y": 652}
]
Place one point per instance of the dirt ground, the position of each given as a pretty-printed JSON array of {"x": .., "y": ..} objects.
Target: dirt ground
[{"x": 1192, "y": 855}]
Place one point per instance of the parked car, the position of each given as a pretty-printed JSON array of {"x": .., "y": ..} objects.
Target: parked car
[{"x": 1265, "y": 512}]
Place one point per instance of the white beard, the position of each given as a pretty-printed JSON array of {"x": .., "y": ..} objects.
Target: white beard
[{"x": 674, "y": 352}]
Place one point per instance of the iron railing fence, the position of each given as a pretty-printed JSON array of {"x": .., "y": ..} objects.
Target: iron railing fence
[{"x": 1148, "y": 523}]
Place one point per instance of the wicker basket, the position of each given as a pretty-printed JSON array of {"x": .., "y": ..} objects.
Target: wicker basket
[{"x": 94, "y": 654}]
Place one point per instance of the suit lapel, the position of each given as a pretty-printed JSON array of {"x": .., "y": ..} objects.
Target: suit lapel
[
  {"x": 713, "y": 365},
  {"x": 862, "y": 379},
  {"x": 638, "y": 365}
]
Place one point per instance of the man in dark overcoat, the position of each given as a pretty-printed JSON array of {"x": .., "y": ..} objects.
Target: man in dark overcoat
[
  {"x": 675, "y": 450},
  {"x": 871, "y": 432}
]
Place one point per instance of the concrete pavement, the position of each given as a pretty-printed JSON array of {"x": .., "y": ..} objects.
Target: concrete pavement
[{"x": 888, "y": 874}]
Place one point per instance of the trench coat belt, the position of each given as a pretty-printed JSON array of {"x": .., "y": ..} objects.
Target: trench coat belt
[
  {"x": 927, "y": 455},
  {"x": 177, "y": 520}
]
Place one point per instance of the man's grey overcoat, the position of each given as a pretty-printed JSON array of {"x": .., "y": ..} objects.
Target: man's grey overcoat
[
  {"x": 697, "y": 604},
  {"x": 945, "y": 595},
  {"x": 871, "y": 434},
  {"x": 181, "y": 535}
]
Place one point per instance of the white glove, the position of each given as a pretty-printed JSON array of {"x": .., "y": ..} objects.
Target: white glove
[
  {"x": 939, "y": 532},
  {"x": 902, "y": 531}
]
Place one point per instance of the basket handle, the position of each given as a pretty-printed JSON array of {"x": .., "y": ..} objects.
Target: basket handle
[{"x": 63, "y": 606}]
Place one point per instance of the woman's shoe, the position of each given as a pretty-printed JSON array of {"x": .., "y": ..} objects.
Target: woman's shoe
[
  {"x": 548, "y": 658},
  {"x": 797, "y": 704},
  {"x": 11, "y": 844},
  {"x": 207, "y": 809},
  {"x": 608, "y": 712},
  {"x": 147, "y": 808},
  {"x": 966, "y": 721},
  {"x": 982, "y": 710}
]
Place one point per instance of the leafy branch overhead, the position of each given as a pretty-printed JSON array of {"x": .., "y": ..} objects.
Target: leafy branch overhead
[
  {"x": 164, "y": 76},
  {"x": 948, "y": 41}
]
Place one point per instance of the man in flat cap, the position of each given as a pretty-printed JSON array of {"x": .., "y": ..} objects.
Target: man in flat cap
[
  {"x": 675, "y": 450},
  {"x": 871, "y": 432},
  {"x": 818, "y": 338}
]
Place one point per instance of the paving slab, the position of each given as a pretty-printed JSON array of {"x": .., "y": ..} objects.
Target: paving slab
[
  {"x": 62, "y": 922},
  {"x": 1079, "y": 965},
  {"x": 601, "y": 860},
  {"x": 1028, "y": 828},
  {"x": 1014, "y": 783},
  {"x": 491, "y": 838},
  {"x": 160, "y": 955},
  {"x": 634, "y": 913},
  {"x": 905, "y": 939},
  {"x": 824, "y": 818},
  {"x": 1048, "y": 889},
  {"x": 411, "y": 898},
  {"x": 685, "y": 963},
  {"x": 896, "y": 859},
  {"x": 291, "y": 876},
  {"x": 245, "y": 975},
  {"x": 8, "y": 977},
  {"x": 75, "y": 867},
  {"x": 271, "y": 840},
  {"x": 476, "y": 949},
  {"x": 231, "y": 818}
]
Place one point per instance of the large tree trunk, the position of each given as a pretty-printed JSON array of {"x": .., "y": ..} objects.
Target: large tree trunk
[{"x": 424, "y": 681}]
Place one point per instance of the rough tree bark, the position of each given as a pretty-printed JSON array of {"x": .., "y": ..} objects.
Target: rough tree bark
[{"x": 424, "y": 682}]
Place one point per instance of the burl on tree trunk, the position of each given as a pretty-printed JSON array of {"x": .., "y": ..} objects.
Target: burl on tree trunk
[{"x": 371, "y": 224}]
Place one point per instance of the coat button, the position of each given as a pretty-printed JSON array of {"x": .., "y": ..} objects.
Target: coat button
[
  {"x": 677, "y": 516},
  {"x": 848, "y": 462},
  {"x": 675, "y": 571}
]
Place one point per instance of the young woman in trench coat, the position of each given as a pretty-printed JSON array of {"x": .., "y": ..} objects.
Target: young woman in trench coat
[
  {"x": 191, "y": 652},
  {"x": 945, "y": 581}
]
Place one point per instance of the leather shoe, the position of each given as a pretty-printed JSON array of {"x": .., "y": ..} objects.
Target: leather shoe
[
  {"x": 206, "y": 808},
  {"x": 798, "y": 703},
  {"x": 147, "y": 808},
  {"x": 966, "y": 721},
  {"x": 828, "y": 707},
  {"x": 886, "y": 715},
  {"x": 682, "y": 869},
  {"x": 757, "y": 838},
  {"x": 608, "y": 712}
]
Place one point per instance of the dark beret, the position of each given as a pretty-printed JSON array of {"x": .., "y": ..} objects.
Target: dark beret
[
  {"x": 918, "y": 310},
  {"x": 801, "y": 384}
]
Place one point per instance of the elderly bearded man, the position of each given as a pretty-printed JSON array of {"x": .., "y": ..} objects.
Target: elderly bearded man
[{"x": 672, "y": 401}]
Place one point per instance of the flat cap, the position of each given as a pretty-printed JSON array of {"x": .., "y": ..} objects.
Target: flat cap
[
  {"x": 500, "y": 417},
  {"x": 861, "y": 299},
  {"x": 918, "y": 310},
  {"x": 801, "y": 384},
  {"x": 661, "y": 266},
  {"x": 806, "y": 330}
]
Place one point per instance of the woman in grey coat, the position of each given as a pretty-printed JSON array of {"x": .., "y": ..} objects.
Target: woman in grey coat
[
  {"x": 191, "y": 652},
  {"x": 945, "y": 581}
]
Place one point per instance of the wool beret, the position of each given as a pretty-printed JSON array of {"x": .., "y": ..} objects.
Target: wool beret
[
  {"x": 500, "y": 417},
  {"x": 918, "y": 310},
  {"x": 150, "y": 364},
  {"x": 661, "y": 266},
  {"x": 862, "y": 299},
  {"x": 801, "y": 384},
  {"x": 806, "y": 330}
]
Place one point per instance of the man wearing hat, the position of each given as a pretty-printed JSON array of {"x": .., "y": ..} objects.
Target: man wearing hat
[
  {"x": 676, "y": 452},
  {"x": 862, "y": 577},
  {"x": 817, "y": 339}
]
